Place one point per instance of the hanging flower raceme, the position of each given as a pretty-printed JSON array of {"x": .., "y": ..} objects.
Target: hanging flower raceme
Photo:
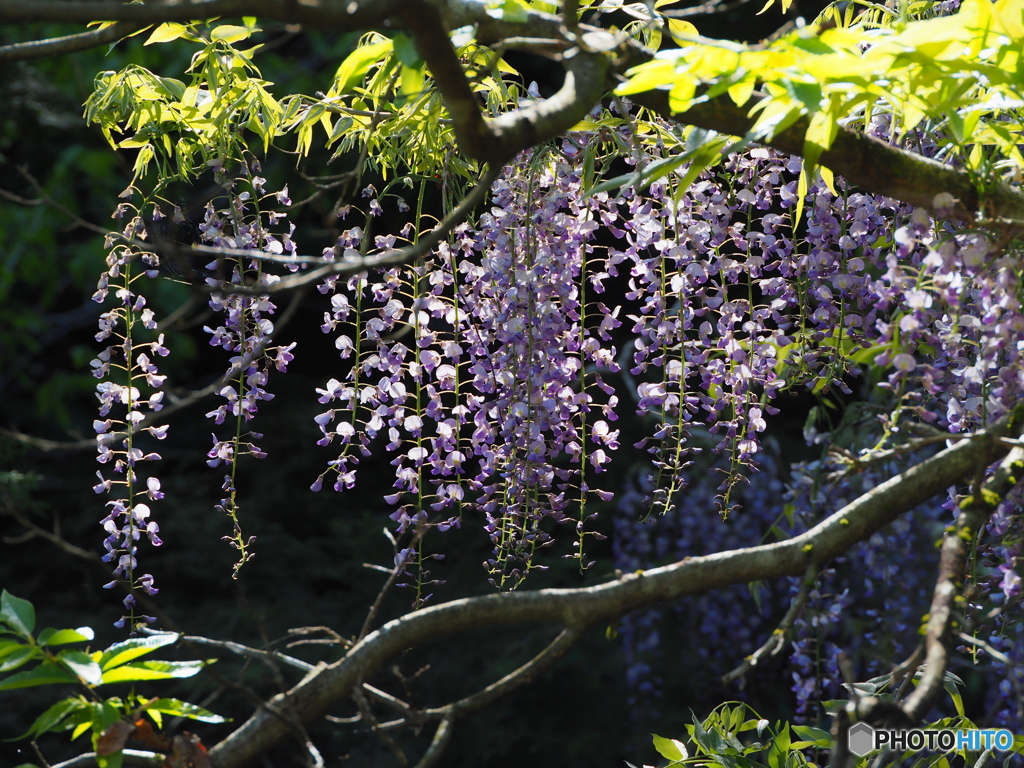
[
  {"x": 246, "y": 332},
  {"x": 497, "y": 404},
  {"x": 129, "y": 393}
]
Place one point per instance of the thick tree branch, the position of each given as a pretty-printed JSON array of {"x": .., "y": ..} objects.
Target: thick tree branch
[
  {"x": 578, "y": 609},
  {"x": 862, "y": 160}
]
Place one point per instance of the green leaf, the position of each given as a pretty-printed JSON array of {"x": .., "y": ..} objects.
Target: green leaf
[
  {"x": 508, "y": 10},
  {"x": 653, "y": 171},
  {"x": 17, "y": 657},
  {"x": 166, "y": 32},
  {"x": 811, "y": 737},
  {"x": 52, "y": 717},
  {"x": 81, "y": 664},
  {"x": 778, "y": 752},
  {"x": 703, "y": 738},
  {"x": 954, "y": 694},
  {"x": 9, "y": 645},
  {"x": 121, "y": 653},
  {"x": 405, "y": 50},
  {"x": 411, "y": 82},
  {"x": 178, "y": 708},
  {"x": 104, "y": 716},
  {"x": 230, "y": 33},
  {"x": 64, "y": 636},
  {"x": 18, "y": 614},
  {"x": 154, "y": 670},
  {"x": 357, "y": 64},
  {"x": 669, "y": 748},
  {"x": 46, "y": 673}
]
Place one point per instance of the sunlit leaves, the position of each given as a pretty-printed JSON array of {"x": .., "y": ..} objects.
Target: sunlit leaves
[
  {"x": 924, "y": 69},
  {"x": 46, "y": 673},
  {"x": 152, "y": 670},
  {"x": 178, "y": 708},
  {"x": 355, "y": 66},
  {"x": 177, "y": 127},
  {"x": 119, "y": 663},
  {"x": 121, "y": 653}
]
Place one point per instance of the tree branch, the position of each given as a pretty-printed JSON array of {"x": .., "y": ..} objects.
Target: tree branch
[
  {"x": 777, "y": 639},
  {"x": 58, "y": 46},
  {"x": 578, "y": 609},
  {"x": 945, "y": 616},
  {"x": 332, "y": 14}
]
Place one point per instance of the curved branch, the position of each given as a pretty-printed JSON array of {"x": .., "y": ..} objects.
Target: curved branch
[
  {"x": 777, "y": 639},
  {"x": 270, "y": 657},
  {"x": 387, "y": 259},
  {"x": 438, "y": 744},
  {"x": 866, "y": 162},
  {"x": 539, "y": 664},
  {"x": 578, "y": 609},
  {"x": 945, "y": 617}
]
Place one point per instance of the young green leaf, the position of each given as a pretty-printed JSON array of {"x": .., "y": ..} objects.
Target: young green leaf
[
  {"x": 670, "y": 748},
  {"x": 230, "y": 33},
  {"x": 357, "y": 64},
  {"x": 17, "y": 614},
  {"x": 82, "y": 665},
  {"x": 46, "y": 673},
  {"x": 178, "y": 708},
  {"x": 64, "y": 636},
  {"x": 123, "y": 652},
  {"x": 16, "y": 657},
  {"x": 153, "y": 670},
  {"x": 166, "y": 32},
  {"x": 53, "y": 717}
]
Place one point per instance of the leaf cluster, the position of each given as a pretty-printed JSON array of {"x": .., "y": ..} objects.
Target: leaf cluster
[{"x": 120, "y": 663}]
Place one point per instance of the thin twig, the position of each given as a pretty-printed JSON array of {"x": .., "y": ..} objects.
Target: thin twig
[
  {"x": 777, "y": 640},
  {"x": 442, "y": 737},
  {"x": 130, "y": 757},
  {"x": 271, "y": 657}
]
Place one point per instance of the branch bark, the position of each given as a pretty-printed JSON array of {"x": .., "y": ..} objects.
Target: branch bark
[{"x": 59, "y": 46}]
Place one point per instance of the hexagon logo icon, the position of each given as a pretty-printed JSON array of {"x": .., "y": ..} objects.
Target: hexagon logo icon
[{"x": 861, "y": 739}]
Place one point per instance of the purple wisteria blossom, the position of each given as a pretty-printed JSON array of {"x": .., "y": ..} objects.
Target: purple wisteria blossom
[
  {"x": 245, "y": 333},
  {"x": 128, "y": 392}
]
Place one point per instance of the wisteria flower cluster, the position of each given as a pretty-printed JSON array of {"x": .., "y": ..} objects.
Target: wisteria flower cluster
[
  {"x": 129, "y": 390},
  {"x": 866, "y": 286},
  {"x": 493, "y": 369},
  {"x": 246, "y": 331},
  {"x": 131, "y": 380},
  {"x": 497, "y": 401}
]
